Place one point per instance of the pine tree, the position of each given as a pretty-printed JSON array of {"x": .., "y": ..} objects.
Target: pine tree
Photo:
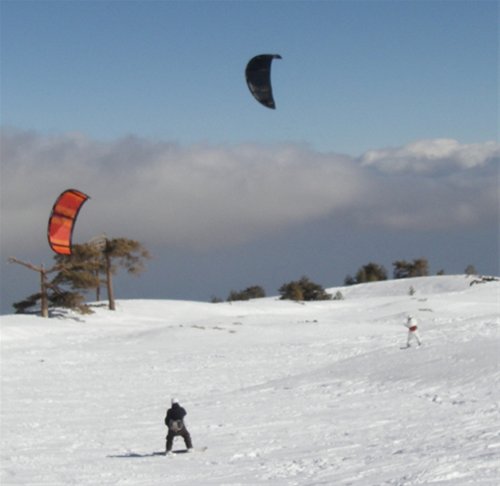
[
  {"x": 121, "y": 252},
  {"x": 83, "y": 271}
]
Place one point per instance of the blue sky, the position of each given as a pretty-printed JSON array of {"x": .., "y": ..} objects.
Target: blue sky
[
  {"x": 397, "y": 98},
  {"x": 174, "y": 70}
]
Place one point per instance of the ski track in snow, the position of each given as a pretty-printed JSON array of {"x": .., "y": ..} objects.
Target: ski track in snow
[{"x": 280, "y": 393}]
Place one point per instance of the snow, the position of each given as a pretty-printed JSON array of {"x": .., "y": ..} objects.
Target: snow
[{"x": 280, "y": 393}]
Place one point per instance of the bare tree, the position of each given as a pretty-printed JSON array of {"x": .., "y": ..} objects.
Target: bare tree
[{"x": 44, "y": 284}]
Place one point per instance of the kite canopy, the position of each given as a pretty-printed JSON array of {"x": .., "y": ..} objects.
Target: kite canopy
[
  {"x": 258, "y": 76},
  {"x": 62, "y": 220}
]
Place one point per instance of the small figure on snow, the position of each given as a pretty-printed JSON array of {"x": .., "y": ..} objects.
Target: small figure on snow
[
  {"x": 411, "y": 324},
  {"x": 176, "y": 426}
]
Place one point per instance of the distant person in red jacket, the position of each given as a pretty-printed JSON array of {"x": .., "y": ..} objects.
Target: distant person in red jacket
[
  {"x": 411, "y": 324},
  {"x": 176, "y": 426}
]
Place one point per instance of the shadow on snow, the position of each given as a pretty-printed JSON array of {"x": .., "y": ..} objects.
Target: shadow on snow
[{"x": 129, "y": 455}]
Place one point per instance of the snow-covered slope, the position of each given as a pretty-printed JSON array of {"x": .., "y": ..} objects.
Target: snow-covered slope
[{"x": 280, "y": 393}]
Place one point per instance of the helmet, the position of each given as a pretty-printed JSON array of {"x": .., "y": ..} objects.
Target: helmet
[{"x": 174, "y": 400}]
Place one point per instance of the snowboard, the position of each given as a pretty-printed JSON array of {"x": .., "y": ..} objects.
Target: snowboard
[{"x": 185, "y": 451}]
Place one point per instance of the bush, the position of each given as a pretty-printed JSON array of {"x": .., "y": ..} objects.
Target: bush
[
  {"x": 470, "y": 270},
  {"x": 254, "y": 292},
  {"x": 372, "y": 272},
  {"x": 303, "y": 289},
  {"x": 417, "y": 268}
]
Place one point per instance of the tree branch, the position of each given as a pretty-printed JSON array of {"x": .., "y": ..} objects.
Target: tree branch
[{"x": 35, "y": 268}]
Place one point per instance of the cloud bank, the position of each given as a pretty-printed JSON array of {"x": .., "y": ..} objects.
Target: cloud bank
[
  {"x": 204, "y": 196},
  {"x": 432, "y": 157}
]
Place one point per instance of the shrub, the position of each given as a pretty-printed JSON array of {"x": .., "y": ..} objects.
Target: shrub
[
  {"x": 371, "y": 272},
  {"x": 470, "y": 270},
  {"x": 303, "y": 289},
  {"x": 338, "y": 295},
  {"x": 418, "y": 268},
  {"x": 254, "y": 292}
]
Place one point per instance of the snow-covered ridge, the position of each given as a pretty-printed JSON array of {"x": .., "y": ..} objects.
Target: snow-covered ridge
[
  {"x": 280, "y": 392},
  {"x": 419, "y": 285}
]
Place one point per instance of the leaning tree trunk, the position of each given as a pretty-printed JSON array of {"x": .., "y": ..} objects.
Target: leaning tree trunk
[
  {"x": 109, "y": 283},
  {"x": 98, "y": 288},
  {"x": 44, "y": 301}
]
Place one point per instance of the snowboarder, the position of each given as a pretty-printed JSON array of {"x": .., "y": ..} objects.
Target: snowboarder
[
  {"x": 411, "y": 324},
  {"x": 176, "y": 426}
]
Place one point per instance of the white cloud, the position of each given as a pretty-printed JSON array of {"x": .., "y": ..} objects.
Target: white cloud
[
  {"x": 432, "y": 156},
  {"x": 166, "y": 194}
]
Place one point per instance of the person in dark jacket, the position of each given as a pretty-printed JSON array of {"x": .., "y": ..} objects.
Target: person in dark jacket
[{"x": 176, "y": 426}]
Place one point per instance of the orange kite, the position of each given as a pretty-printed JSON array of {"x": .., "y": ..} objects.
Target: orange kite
[{"x": 62, "y": 220}]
